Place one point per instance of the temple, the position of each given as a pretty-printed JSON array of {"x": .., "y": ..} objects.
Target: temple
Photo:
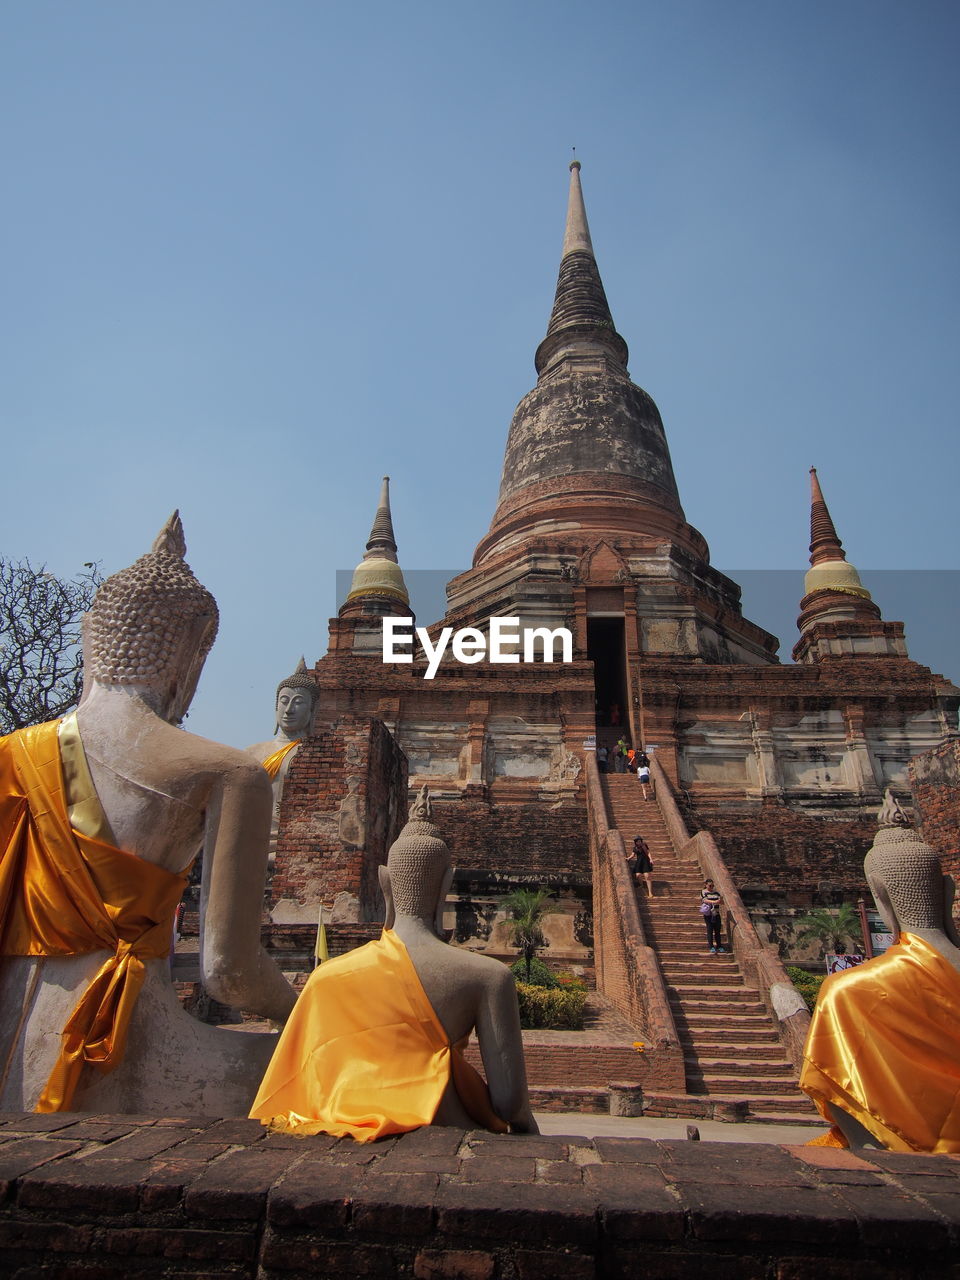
[{"x": 767, "y": 774}]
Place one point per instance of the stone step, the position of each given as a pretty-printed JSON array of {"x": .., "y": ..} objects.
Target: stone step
[
  {"x": 797, "y": 1101},
  {"x": 741, "y": 1085},
  {"x": 714, "y": 1023},
  {"x": 712, "y": 1067},
  {"x": 738, "y": 1048},
  {"x": 697, "y": 1003},
  {"x": 688, "y": 980},
  {"x": 728, "y": 1046}
]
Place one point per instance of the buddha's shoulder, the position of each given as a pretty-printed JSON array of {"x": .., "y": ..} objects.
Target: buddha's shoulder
[{"x": 189, "y": 750}]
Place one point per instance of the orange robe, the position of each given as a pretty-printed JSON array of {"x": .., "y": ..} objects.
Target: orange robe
[
  {"x": 364, "y": 1054},
  {"x": 884, "y": 1046},
  {"x": 63, "y": 894},
  {"x": 276, "y": 758}
]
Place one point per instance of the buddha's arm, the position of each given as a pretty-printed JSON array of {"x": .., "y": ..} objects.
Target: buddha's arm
[
  {"x": 501, "y": 1047},
  {"x": 235, "y": 967},
  {"x": 854, "y": 1132}
]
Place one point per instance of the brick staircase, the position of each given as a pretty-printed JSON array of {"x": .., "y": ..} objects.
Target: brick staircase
[{"x": 731, "y": 1049}]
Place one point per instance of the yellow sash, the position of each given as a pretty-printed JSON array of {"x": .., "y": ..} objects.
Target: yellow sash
[
  {"x": 884, "y": 1045},
  {"x": 64, "y": 893},
  {"x": 364, "y": 1054},
  {"x": 275, "y": 760}
]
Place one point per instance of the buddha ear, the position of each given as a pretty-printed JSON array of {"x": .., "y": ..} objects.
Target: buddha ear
[
  {"x": 885, "y": 906},
  {"x": 445, "y": 884},
  {"x": 949, "y": 924},
  {"x": 386, "y": 888}
]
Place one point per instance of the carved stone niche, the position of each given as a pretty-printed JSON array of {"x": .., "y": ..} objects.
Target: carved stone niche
[{"x": 603, "y": 565}]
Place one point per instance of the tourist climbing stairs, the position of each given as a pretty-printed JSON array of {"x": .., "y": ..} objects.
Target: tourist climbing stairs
[{"x": 731, "y": 1047}]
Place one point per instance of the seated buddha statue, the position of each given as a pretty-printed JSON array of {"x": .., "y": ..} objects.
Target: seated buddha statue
[
  {"x": 375, "y": 1044},
  {"x": 101, "y": 814},
  {"x": 882, "y": 1058},
  {"x": 295, "y": 704}
]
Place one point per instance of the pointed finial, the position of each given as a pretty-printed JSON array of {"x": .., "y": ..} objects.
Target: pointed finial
[
  {"x": 574, "y": 163},
  {"x": 170, "y": 540},
  {"x": 577, "y": 234},
  {"x": 824, "y": 543},
  {"x": 381, "y": 541}
]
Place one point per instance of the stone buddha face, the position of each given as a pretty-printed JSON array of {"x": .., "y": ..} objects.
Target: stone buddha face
[{"x": 294, "y": 712}]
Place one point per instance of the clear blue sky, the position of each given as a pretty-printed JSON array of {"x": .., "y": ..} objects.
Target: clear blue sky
[{"x": 258, "y": 255}]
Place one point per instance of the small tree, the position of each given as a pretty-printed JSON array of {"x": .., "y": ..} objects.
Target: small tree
[
  {"x": 830, "y": 924},
  {"x": 527, "y": 907},
  {"x": 41, "y": 669}
]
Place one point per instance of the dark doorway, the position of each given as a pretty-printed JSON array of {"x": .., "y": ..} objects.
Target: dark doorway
[{"x": 605, "y": 650}]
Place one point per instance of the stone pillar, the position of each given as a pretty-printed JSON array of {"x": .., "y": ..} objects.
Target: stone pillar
[
  {"x": 477, "y": 713},
  {"x": 626, "y": 1099},
  {"x": 856, "y": 756},
  {"x": 768, "y": 772},
  {"x": 580, "y": 621}
]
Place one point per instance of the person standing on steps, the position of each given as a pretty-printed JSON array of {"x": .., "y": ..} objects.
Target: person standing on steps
[
  {"x": 710, "y": 902},
  {"x": 642, "y": 763},
  {"x": 640, "y": 863}
]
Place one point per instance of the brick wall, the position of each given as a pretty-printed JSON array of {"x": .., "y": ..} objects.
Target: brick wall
[
  {"x": 788, "y": 856},
  {"x": 935, "y": 782},
  {"x": 540, "y": 839},
  {"x": 115, "y": 1196},
  {"x": 344, "y": 802}
]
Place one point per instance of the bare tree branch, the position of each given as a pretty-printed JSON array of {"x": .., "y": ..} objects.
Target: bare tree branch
[{"x": 41, "y": 669}]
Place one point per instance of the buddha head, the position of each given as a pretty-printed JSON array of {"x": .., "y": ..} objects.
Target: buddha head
[
  {"x": 296, "y": 699},
  {"x": 904, "y": 874},
  {"x": 419, "y": 869},
  {"x": 151, "y": 626}
]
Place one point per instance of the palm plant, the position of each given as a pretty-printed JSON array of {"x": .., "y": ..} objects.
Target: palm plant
[
  {"x": 830, "y": 924},
  {"x": 527, "y": 907}
]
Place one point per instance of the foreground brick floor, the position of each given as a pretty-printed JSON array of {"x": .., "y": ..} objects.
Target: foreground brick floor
[{"x": 100, "y": 1197}]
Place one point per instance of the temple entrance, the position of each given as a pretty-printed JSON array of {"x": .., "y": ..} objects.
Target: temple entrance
[{"x": 605, "y": 649}]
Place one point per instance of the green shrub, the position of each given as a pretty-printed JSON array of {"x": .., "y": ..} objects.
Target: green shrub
[
  {"x": 808, "y": 984},
  {"x": 551, "y": 1008},
  {"x": 540, "y": 974}
]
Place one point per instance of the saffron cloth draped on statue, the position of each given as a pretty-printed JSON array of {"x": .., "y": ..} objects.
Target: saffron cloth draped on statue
[
  {"x": 884, "y": 1045},
  {"x": 275, "y": 759},
  {"x": 63, "y": 893},
  {"x": 364, "y": 1054}
]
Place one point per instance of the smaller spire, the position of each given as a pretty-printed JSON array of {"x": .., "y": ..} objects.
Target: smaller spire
[
  {"x": 381, "y": 544},
  {"x": 379, "y": 574},
  {"x": 824, "y": 543}
]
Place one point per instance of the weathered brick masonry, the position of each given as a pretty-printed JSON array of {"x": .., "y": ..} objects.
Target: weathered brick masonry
[
  {"x": 106, "y": 1196},
  {"x": 344, "y": 802},
  {"x": 935, "y": 781}
]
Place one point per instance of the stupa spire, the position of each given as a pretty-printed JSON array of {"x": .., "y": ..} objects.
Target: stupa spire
[
  {"x": 824, "y": 543},
  {"x": 580, "y": 321},
  {"x": 577, "y": 234},
  {"x": 381, "y": 542}
]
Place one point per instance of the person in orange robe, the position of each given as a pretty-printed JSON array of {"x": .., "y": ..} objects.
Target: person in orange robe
[{"x": 374, "y": 1044}]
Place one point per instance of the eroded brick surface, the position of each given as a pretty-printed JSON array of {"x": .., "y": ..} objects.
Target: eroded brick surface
[{"x": 225, "y": 1200}]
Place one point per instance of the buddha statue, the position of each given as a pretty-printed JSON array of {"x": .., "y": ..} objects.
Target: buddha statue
[
  {"x": 882, "y": 1059},
  {"x": 375, "y": 1044},
  {"x": 295, "y": 704},
  {"x": 101, "y": 815}
]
